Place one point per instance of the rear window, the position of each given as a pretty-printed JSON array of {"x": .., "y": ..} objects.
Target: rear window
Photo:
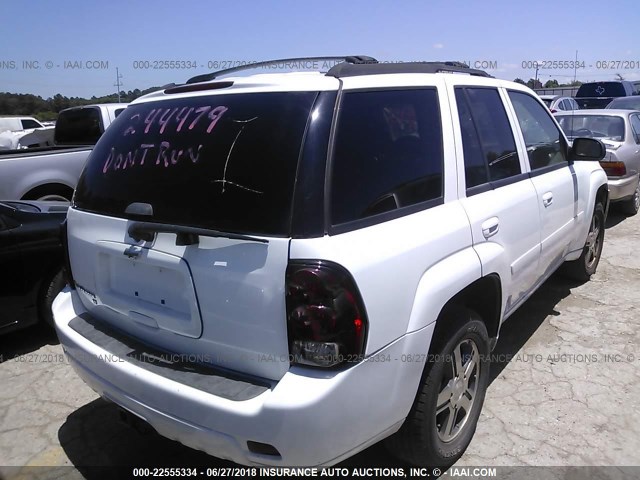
[
  {"x": 82, "y": 126},
  {"x": 592, "y": 126},
  {"x": 601, "y": 89},
  {"x": 226, "y": 162}
]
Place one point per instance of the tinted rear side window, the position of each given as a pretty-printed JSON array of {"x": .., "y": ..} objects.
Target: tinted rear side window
[
  {"x": 388, "y": 153},
  {"x": 81, "y": 126},
  {"x": 225, "y": 162}
]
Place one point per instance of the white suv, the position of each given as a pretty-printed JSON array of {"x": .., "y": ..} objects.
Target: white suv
[{"x": 283, "y": 269}]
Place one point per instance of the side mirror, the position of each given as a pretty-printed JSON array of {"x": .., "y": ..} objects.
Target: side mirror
[{"x": 587, "y": 149}]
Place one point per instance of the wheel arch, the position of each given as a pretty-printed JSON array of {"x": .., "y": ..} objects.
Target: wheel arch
[
  {"x": 458, "y": 281},
  {"x": 483, "y": 297},
  {"x": 48, "y": 188}
]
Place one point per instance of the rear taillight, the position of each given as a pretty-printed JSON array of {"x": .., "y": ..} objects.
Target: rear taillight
[
  {"x": 326, "y": 321},
  {"x": 553, "y": 110},
  {"x": 65, "y": 248},
  {"x": 614, "y": 169}
]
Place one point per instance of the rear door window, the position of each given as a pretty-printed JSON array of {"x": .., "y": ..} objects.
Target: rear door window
[
  {"x": 225, "y": 162},
  {"x": 388, "y": 154}
]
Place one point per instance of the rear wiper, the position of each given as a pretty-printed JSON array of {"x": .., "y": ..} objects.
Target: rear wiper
[{"x": 184, "y": 235}]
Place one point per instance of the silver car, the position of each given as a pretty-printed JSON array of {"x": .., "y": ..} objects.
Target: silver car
[
  {"x": 557, "y": 103},
  {"x": 625, "y": 103},
  {"x": 619, "y": 130}
]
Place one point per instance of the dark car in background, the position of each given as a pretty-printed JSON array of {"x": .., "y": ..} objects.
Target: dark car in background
[
  {"x": 31, "y": 260},
  {"x": 600, "y": 94}
]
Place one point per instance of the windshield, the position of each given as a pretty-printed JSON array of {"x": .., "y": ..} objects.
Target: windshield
[
  {"x": 601, "y": 89},
  {"x": 593, "y": 126},
  {"x": 547, "y": 101},
  {"x": 225, "y": 162}
]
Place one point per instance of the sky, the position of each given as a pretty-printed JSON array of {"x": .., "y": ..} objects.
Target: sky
[{"x": 73, "y": 47}]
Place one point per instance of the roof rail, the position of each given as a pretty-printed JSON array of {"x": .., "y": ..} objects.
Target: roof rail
[
  {"x": 353, "y": 70},
  {"x": 349, "y": 59}
]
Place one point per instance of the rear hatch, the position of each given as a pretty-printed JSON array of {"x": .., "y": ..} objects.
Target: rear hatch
[{"x": 179, "y": 232}]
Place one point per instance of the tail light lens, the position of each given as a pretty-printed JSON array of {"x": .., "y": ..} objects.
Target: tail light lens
[
  {"x": 326, "y": 320},
  {"x": 614, "y": 169},
  {"x": 553, "y": 110},
  {"x": 65, "y": 247}
]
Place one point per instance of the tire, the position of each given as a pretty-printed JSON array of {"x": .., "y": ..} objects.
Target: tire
[
  {"x": 432, "y": 435},
  {"x": 630, "y": 207},
  {"x": 51, "y": 286},
  {"x": 585, "y": 266}
]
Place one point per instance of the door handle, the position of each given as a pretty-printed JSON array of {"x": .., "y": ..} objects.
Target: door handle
[
  {"x": 547, "y": 199},
  {"x": 490, "y": 227}
]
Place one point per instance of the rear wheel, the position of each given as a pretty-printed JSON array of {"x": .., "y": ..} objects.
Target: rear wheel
[
  {"x": 630, "y": 207},
  {"x": 445, "y": 413},
  {"x": 585, "y": 266}
]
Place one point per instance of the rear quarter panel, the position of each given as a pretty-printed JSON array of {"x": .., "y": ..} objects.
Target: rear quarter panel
[{"x": 406, "y": 269}]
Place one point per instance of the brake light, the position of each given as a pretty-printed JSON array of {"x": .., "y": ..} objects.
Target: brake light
[
  {"x": 65, "y": 248},
  {"x": 326, "y": 321},
  {"x": 614, "y": 169}
]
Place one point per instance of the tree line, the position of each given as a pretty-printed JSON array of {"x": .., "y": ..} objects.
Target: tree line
[
  {"x": 48, "y": 109},
  {"x": 533, "y": 83}
]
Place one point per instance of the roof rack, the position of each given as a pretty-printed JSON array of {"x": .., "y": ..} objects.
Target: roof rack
[
  {"x": 347, "y": 59},
  {"x": 353, "y": 70}
]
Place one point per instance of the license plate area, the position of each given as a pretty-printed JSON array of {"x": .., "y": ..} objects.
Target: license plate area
[{"x": 150, "y": 287}]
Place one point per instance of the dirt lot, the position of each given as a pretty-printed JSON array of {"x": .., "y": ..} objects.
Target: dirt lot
[{"x": 565, "y": 389}]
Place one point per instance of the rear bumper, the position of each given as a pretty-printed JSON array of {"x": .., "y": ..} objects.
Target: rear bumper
[
  {"x": 311, "y": 417},
  {"x": 622, "y": 188}
]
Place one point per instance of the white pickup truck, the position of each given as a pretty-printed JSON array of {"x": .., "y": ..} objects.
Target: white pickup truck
[
  {"x": 17, "y": 123},
  {"x": 51, "y": 173}
]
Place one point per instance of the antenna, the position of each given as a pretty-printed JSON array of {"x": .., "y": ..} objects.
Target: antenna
[{"x": 118, "y": 83}]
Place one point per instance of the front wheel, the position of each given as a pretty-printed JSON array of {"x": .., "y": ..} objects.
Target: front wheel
[
  {"x": 445, "y": 413},
  {"x": 585, "y": 266}
]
